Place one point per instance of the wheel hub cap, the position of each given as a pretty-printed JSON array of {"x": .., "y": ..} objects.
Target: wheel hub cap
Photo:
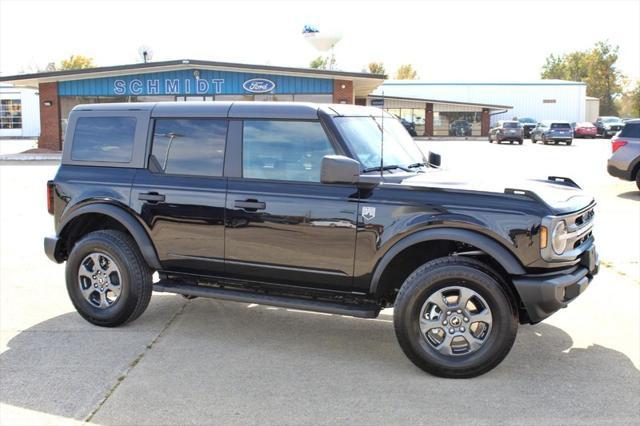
[
  {"x": 455, "y": 321},
  {"x": 99, "y": 279}
]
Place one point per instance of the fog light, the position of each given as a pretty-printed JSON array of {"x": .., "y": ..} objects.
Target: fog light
[{"x": 559, "y": 237}]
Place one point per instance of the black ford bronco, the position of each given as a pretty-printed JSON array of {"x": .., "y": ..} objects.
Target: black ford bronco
[{"x": 291, "y": 205}]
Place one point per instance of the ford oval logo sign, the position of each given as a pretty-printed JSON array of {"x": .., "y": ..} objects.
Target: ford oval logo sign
[{"x": 259, "y": 85}]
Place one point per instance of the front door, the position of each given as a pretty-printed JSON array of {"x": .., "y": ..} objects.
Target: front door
[
  {"x": 282, "y": 225},
  {"x": 181, "y": 195}
]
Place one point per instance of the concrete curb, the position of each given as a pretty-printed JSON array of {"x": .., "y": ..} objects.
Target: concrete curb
[{"x": 31, "y": 157}]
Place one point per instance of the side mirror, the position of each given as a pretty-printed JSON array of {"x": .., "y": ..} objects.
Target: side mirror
[
  {"x": 339, "y": 169},
  {"x": 434, "y": 159}
]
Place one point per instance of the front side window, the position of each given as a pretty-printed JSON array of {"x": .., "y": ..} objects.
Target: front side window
[
  {"x": 284, "y": 150},
  {"x": 10, "y": 114},
  {"x": 189, "y": 146},
  {"x": 104, "y": 139}
]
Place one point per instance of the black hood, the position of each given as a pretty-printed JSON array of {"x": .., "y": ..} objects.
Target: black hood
[{"x": 560, "y": 197}]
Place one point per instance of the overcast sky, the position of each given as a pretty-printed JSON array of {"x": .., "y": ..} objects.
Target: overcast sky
[{"x": 444, "y": 40}]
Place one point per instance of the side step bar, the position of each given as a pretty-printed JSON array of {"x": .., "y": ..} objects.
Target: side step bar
[{"x": 354, "y": 310}]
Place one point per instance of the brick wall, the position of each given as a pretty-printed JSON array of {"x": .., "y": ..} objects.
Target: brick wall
[
  {"x": 484, "y": 124},
  {"x": 50, "y": 128},
  {"x": 343, "y": 92}
]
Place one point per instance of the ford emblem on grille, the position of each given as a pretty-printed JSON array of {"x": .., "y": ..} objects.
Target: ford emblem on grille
[{"x": 259, "y": 85}]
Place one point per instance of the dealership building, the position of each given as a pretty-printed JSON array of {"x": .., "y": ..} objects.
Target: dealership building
[{"x": 435, "y": 109}]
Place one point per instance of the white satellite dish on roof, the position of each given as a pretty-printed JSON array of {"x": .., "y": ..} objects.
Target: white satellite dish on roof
[
  {"x": 145, "y": 53},
  {"x": 322, "y": 41}
]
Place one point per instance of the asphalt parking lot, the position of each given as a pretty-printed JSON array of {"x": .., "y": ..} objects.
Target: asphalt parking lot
[{"x": 210, "y": 362}]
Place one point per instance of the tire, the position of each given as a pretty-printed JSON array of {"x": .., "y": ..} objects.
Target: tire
[
  {"x": 520, "y": 142},
  {"x": 638, "y": 180},
  {"x": 430, "y": 282},
  {"x": 569, "y": 142},
  {"x": 490, "y": 141},
  {"x": 533, "y": 139},
  {"x": 129, "y": 285}
]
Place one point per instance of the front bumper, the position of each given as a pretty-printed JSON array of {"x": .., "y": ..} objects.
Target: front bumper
[
  {"x": 51, "y": 248},
  {"x": 544, "y": 294}
]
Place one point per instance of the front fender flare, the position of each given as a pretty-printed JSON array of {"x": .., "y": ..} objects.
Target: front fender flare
[
  {"x": 488, "y": 245},
  {"x": 127, "y": 220}
]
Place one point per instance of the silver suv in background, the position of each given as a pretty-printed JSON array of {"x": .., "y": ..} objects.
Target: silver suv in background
[
  {"x": 625, "y": 158},
  {"x": 608, "y": 126},
  {"x": 510, "y": 131},
  {"x": 552, "y": 132}
]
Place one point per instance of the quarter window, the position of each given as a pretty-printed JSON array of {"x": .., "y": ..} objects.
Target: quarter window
[
  {"x": 189, "y": 146},
  {"x": 284, "y": 150},
  {"x": 104, "y": 139}
]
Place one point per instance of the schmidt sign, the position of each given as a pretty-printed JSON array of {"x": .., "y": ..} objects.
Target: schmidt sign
[
  {"x": 194, "y": 83},
  {"x": 188, "y": 86}
]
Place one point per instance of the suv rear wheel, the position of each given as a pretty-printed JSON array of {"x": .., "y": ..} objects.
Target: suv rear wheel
[
  {"x": 453, "y": 319},
  {"x": 108, "y": 281}
]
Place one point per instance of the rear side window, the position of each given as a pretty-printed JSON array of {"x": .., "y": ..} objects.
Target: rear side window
[
  {"x": 104, "y": 139},
  {"x": 189, "y": 146},
  {"x": 284, "y": 150},
  {"x": 560, "y": 126},
  {"x": 631, "y": 130}
]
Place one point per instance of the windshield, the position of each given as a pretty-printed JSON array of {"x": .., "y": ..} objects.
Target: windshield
[
  {"x": 527, "y": 120},
  {"x": 610, "y": 119},
  {"x": 363, "y": 135}
]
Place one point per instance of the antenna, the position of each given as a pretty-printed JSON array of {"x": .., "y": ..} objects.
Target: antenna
[
  {"x": 145, "y": 53},
  {"x": 382, "y": 137}
]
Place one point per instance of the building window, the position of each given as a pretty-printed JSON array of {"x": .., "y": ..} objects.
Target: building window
[
  {"x": 192, "y": 147},
  {"x": 10, "y": 114}
]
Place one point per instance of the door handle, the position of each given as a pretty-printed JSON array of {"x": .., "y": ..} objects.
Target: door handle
[
  {"x": 151, "y": 197},
  {"x": 250, "y": 205}
]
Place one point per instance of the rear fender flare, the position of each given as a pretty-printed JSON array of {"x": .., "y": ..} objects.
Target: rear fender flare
[{"x": 126, "y": 219}]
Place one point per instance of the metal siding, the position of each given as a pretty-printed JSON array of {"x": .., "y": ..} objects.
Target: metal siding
[
  {"x": 232, "y": 84},
  {"x": 526, "y": 99}
]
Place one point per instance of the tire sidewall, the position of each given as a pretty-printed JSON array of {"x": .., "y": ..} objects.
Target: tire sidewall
[
  {"x": 503, "y": 327},
  {"x": 127, "y": 300}
]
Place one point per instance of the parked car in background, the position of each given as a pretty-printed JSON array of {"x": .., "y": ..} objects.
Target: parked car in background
[
  {"x": 460, "y": 128},
  {"x": 624, "y": 162},
  {"x": 528, "y": 124},
  {"x": 552, "y": 132},
  {"x": 608, "y": 126},
  {"x": 409, "y": 126},
  {"x": 584, "y": 130},
  {"x": 510, "y": 131}
]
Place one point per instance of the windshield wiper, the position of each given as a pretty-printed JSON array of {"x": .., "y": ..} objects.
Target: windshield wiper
[
  {"x": 416, "y": 165},
  {"x": 389, "y": 167}
]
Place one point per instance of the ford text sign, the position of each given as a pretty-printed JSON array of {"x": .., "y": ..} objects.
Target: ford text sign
[{"x": 259, "y": 85}]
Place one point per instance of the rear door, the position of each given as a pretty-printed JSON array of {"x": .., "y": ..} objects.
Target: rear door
[
  {"x": 283, "y": 225},
  {"x": 181, "y": 194}
]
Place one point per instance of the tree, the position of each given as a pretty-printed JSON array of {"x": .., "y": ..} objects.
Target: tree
[
  {"x": 319, "y": 63},
  {"x": 376, "y": 68},
  {"x": 629, "y": 104},
  {"x": 406, "y": 72},
  {"x": 76, "y": 62},
  {"x": 596, "y": 67}
]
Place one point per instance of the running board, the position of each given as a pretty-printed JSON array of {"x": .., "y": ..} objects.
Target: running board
[{"x": 368, "y": 310}]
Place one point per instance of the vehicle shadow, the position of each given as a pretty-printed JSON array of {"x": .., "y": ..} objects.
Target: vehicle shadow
[
  {"x": 630, "y": 195},
  {"x": 58, "y": 367}
]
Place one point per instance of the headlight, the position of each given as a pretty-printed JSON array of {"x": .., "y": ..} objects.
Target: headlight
[
  {"x": 559, "y": 237},
  {"x": 606, "y": 126}
]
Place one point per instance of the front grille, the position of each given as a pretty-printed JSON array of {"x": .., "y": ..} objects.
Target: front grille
[
  {"x": 584, "y": 217},
  {"x": 616, "y": 127}
]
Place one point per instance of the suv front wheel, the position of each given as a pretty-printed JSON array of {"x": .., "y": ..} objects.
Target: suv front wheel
[
  {"x": 453, "y": 319},
  {"x": 108, "y": 281}
]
